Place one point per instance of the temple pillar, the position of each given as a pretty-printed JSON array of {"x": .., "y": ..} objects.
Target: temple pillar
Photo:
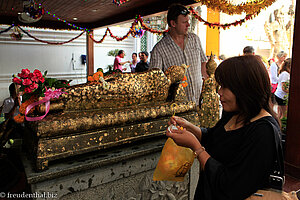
[
  {"x": 292, "y": 153},
  {"x": 212, "y": 34}
]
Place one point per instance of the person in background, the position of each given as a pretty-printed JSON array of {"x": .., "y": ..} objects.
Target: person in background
[
  {"x": 10, "y": 108},
  {"x": 248, "y": 50},
  {"x": 140, "y": 55},
  {"x": 143, "y": 65},
  {"x": 221, "y": 58},
  {"x": 226, "y": 152},
  {"x": 283, "y": 88},
  {"x": 133, "y": 62},
  {"x": 117, "y": 63},
  {"x": 281, "y": 56},
  {"x": 178, "y": 47}
]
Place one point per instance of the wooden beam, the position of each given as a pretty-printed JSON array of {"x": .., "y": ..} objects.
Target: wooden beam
[
  {"x": 155, "y": 6},
  {"x": 90, "y": 53},
  {"x": 292, "y": 154}
]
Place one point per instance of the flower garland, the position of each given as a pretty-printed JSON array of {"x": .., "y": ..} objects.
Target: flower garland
[
  {"x": 138, "y": 27},
  {"x": 7, "y": 29},
  {"x": 224, "y": 26},
  {"x": 145, "y": 27},
  {"x": 132, "y": 30},
  {"x": 228, "y": 8},
  {"x": 53, "y": 43}
]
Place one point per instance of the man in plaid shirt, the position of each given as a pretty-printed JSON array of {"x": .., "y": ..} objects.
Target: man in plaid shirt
[{"x": 180, "y": 47}]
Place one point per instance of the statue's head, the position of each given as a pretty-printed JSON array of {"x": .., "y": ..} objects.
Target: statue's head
[
  {"x": 176, "y": 73},
  {"x": 211, "y": 66}
]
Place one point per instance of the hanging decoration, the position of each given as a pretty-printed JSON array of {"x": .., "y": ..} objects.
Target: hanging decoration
[
  {"x": 68, "y": 23},
  {"x": 139, "y": 23},
  {"x": 146, "y": 28},
  {"x": 16, "y": 34},
  {"x": 53, "y": 43},
  {"x": 218, "y": 25},
  {"x": 137, "y": 30},
  {"x": 5, "y": 30},
  {"x": 31, "y": 12},
  {"x": 224, "y": 6},
  {"x": 119, "y": 2}
]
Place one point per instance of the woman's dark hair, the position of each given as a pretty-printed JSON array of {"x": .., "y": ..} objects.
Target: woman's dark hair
[
  {"x": 134, "y": 54},
  {"x": 247, "y": 78},
  {"x": 120, "y": 52},
  {"x": 286, "y": 66}
]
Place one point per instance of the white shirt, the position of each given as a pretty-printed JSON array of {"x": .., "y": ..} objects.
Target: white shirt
[
  {"x": 274, "y": 73},
  {"x": 283, "y": 77}
]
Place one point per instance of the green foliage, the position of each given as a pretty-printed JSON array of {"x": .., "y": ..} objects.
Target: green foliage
[
  {"x": 286, "y": 86},
  {"x": 113, "y": 53},
  {"x": 283, "y": 124},
  {"x": 49, "y": 83}
]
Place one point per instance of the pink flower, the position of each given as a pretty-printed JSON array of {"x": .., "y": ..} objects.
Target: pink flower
[
  {"x": 28, "y": 90},
  {"x": 37, "y": 73},
  {"x": 27, "y": 82},
  {"x": 24, "y": 73},
  {"x": 33, "y": 86},
  {"x": 17, "y": 80}
]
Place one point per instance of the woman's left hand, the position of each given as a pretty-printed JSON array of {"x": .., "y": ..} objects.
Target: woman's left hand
[{"x": 184, "y": 138}]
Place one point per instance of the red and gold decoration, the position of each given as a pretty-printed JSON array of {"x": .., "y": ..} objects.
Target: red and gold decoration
[
  {"x": 35, "y": 85},
  {"x": 138, "y": 27},
  {"x": 137, "y": 30},
  {"x": 218, "y": 25},
  {"x": 16, "y": 34},
  {"x": 138, "y": 24},
  {"x": 224, "y": 6},
  {"x": 53, "y": 43}
]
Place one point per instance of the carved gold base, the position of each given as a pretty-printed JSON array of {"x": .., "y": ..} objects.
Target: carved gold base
[{"x": 49, "y": 147}]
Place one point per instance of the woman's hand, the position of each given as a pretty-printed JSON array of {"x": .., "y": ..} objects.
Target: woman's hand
[
  {"x": 184, "y": 138},
  {"x": 178, "y": 121}
]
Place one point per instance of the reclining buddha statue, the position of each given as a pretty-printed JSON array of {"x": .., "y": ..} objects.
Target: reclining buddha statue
[
  {"x": 123, "y": 89},
  {"x": 122, "y": 108}
]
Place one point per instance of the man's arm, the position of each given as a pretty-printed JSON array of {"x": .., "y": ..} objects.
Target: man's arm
[
  {"x": 203, "y": 59},
  {"x": 122, "y": 63},
  {"x": 203, "y": 70}
]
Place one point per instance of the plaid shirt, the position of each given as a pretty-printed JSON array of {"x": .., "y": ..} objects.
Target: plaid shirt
[{"x": 167, "y": 53}]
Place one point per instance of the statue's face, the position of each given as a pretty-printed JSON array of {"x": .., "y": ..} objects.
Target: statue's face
[{"x": 280, "y": 15}]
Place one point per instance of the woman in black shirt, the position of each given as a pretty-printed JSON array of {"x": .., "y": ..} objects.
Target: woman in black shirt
[{"x": 237, "y": 155}]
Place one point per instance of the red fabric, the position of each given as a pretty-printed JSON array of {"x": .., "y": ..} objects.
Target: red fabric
[{"x": 274, "y": 87}]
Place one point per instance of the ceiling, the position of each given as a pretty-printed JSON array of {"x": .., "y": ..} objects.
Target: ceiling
[{"x": 90, "y": 14}]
